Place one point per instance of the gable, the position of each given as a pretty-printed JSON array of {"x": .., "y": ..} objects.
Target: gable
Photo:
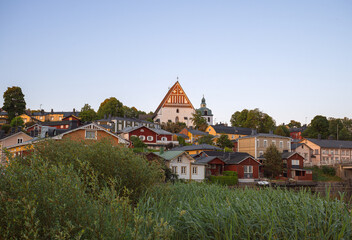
[
  {"x": 249, "y": 161},
  {"x": 296, "y": 156},
  {"x": 175, "y": 97}
]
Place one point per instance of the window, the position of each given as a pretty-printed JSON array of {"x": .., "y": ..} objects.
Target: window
[
  {"x": 62, "y": 126},
  {"x": 343, "y": 152},
  {"x": 233, "y": 136},
  {"x": 295, "y": 163},
  {"x": 288, "y": 145},
  {"x": 40, "y": 117},
  {"x": 281, "y": 144},
  {"x": 208, "y": 119},
  {"x": 150, "y": 138},
  {"x": 142, "y": 137},
  {"x": 142, "y": 130},
  {"x": 174, "y": 169},
  {"x": 194, "y": 170},
  {"x": 52, "y": 118},
  {"x": 248, "y": 171},
  {"x": 336, "y": 151},
  {"x": 183, "y": 170},
  {"x": 164, "y": 139},
  {"x": 177, "y": 111},
  {"x": 179, "y": 159},
  {"x": 257, "y": 142},
  {"x": 273, "y": 142},
  {"x": 185, "y": 118},
  {"x": 265, "y": 143},
  {"x": 90, "y": 135},
  {"x": 261, "y": 153},
  {"x": 332, "y": 152},
  {"x": 19, "y": 140},
  {"x": 316, "y": 151},
  {"x": 60, "y": 118}
]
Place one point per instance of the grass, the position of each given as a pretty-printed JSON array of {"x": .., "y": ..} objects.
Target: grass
[
  {"x": 319, "y": 175},
  {"x": 202, "y": 211}
]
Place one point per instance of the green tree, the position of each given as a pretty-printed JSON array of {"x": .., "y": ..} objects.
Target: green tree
[
  {"x": 224, "y": 142},
  {"x": 137, "y": 142},
  {"x": 206, "y": 139},
  {"x": 87, "y": 113},
  {"x": 14, "y": 102},
  {"x": 17, "y": 122},
  {"x": 199, "y": 122},
  {"x": 181, "y": 141},
  {"x": 110, "y": 107},
  {"x": 173, "y": 127},
  {"x": 294, "y": 124},
  {"x": 272, "y": 162},
  {"x": 318, "y": 126},
  {"x": 255, "y": 119},
  {"x": 282, "y": 130},
  {"x": 339, "y": 129}
]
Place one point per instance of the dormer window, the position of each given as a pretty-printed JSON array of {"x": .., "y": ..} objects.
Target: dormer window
[
  {"x": 19, "y": 140},
  {"x": 179, "y": 159}
]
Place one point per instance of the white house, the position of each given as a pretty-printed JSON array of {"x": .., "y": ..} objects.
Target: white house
[{"x": 181, "y": 163}]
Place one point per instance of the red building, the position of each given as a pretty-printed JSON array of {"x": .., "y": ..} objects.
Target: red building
[
  {"x": 296, "y": 133},
  {"x": 293, "y": 163},
  {"x": 244, "y": 164},
  {"x": 152, "y": 137}
]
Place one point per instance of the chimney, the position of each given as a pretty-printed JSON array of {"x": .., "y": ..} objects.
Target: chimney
[
  {"x": 74, "y": 110},
  {"x": 52, "y": 110},
  {"x": 254, "y": 132}
]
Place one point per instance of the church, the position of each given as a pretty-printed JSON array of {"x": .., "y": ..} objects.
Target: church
[{"x": 175, "y": 107}]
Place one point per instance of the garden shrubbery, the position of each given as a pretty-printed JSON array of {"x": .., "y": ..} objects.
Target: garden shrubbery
[{"x": 229, "y": 178}]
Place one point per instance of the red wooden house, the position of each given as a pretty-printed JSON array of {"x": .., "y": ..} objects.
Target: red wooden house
[
  {"x": 293, "y": 165},
  {"x": 152, "y": 137}
]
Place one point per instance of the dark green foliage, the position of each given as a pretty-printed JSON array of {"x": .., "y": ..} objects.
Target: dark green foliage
[
  {"x": 14, "y": 103},
  {"x": 87, "y": 113},
  {"x": 224, "y": 142},
  {"x": 273, "y": 164},
  {"x": 282, "y": 130},
  {"x": 132, "y": 171},
  {"x": 208, "y": 211},
  {"x": 318, "y": 126},
  {"x": 181, "y": 141},
  {"x": 42, "y": 200},
  {"x": 294, "y": 124},
  {"x": 110, "y": 107},
  {"x": 17, "y": 122},
  {"x": 255, "y": 119},
  {"x": 137, "y": 142},
  {"x": 173, "y": 127},
  {"x": 199, "y": 122},
  {"x": 328, "y": 170},
  {"x": 229, "y": 173},
  {"x": 229, "y": 180},
  {"x": 6, "y": 128},
  {"x": 206, "y": 139}
]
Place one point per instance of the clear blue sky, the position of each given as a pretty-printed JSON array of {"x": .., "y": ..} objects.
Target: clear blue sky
[{"x": 290, "y": 59}]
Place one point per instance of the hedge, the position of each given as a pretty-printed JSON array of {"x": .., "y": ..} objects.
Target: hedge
[{"x": 227, "y": 179}]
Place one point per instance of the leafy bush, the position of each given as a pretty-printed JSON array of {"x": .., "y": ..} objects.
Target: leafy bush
[
  {"x": 224, "y": 180},
  {"x": 64, "y": 191},
  {"x": 328, "y": 170},
  {"x": 207, "y": 211},
  {"x": 229, "y": 173}
]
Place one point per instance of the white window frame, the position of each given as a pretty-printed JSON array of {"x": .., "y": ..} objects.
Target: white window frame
[
  {"x": 89, "y": 137},
  {"x": 150, "y": 138},
  {"x": 179, "y": 159},
  {"x": 174, "y": 169},
  {"x": 281, "y": 144},
  {"x": 295, "y": 162},
  {"x": 19, "y": 140},
  {"x": 265, "y": 143},
  {"x": 164, "y": 139},
  {"x": 194, "y": 170},
  {"x": 142, "y": 137},
  {"x": 183, "y": 170},
  {"x": 248, "y": 169}
]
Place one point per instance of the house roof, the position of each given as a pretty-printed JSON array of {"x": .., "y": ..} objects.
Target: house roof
[
  {"x": 196, "y": 147},
  {"x": 182, "y": 135},
  {"x": 265, "y": 135},
  {"x": 206, "y": 159},
  {"x": 331, "y": 143},
  {"x": 169, "y": 155},
  {"x": 196, "y": 131},
  {"x": 220, "y": 128},
  {"x": 156, "y": 130},
  {"x": 286, "y": 155},
  {"x": 301, "y": 129},
  {"x": 230, "y": 157},
  {"x": 12, "y": 135}
]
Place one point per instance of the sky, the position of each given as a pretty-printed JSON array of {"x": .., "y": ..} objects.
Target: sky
[{"x": 290, "y": 59}]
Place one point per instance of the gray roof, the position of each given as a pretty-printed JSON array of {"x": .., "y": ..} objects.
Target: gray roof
[
  {"x": 286, "y": 155},
  {"x": 197, "y": 132},
  {"x": 331, "y": 143},
  {"x": 232, "y": 130},
  {"x": 229, "y": 157},
  {"x": 182, "y": 135},
  {"x": 205, "y": 160},
  {"x": 156, "y": 130},
  {"x": 196, "y": 147},
  {"x": 265, "y": 135}
]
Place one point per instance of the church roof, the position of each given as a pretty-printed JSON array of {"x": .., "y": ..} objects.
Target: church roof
[{"x": 177, "y": 84}]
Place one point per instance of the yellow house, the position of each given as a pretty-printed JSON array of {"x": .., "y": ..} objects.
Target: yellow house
[
  {"x": 232, "y": 132},
  {"x": 193, "y": 134},
  {"x": 257, "y": 144},
  {"x": 17, "y": 139},
  {"x": 53, "y": 116},
  {"x": 3, "y": 117}
]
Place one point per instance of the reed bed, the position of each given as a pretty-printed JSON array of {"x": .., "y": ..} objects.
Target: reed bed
[{"x": 203, "y": 211}]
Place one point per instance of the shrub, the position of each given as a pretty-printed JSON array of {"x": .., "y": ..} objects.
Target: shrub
[
  {"x": 224, "y": 180},
  {"x": 328, "y": 170},
  {"x": 229, "y": 173}
]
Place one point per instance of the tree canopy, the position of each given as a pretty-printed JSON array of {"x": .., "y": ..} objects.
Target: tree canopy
[
  {"x": 110, "y": 107},
  {"x": 17, "y": 122},
  {"x": 255, "y": 119},
  {"x": 224, "y": 142},
  {"x": 318, "y": 126},
  {"x": 199, "y": 122},
  {"x": 273, "y": 161},
  {"x": 87, "y": 113},
  {"x": 294, "y": 124},
  {"x": 206, "y": 139},
  {"x": 282, "y": 130},
  {"x": 173, "y": 127},
  {"x": 14, "y": 103}
]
